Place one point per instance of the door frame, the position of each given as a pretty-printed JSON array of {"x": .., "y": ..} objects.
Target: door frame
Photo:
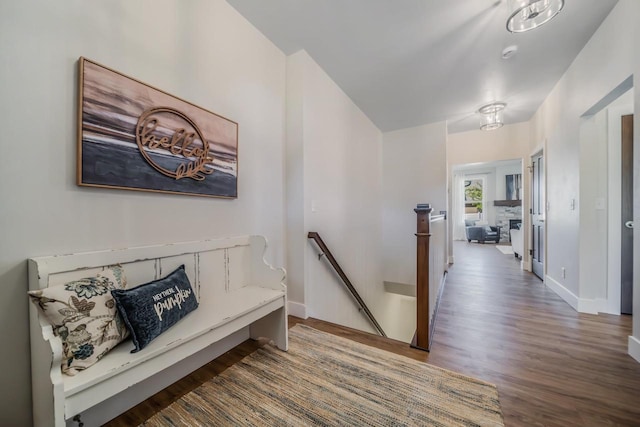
[
  {"x": 614, "y": 221},
  {"x": 538, "y": 151}
]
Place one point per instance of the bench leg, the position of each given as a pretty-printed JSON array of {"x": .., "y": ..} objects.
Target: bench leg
[{"x": 273, "y": 326}]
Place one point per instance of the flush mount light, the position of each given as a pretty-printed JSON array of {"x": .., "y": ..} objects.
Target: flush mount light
[
  {"x": 525, "y": 15},
  {"x": 491, "y": 116}
]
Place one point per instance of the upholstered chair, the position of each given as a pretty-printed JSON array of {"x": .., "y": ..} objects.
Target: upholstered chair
[{"x": 481, "y": 233}]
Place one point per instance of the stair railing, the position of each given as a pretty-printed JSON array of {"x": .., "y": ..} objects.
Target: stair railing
[
  {"x": 325, "y": 252},
  {"x": 431, "y": 263}
]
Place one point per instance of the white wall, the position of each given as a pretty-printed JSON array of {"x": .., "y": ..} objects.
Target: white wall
[
  {"x": 507, "y": 143},
  {"x": 593, "y": 215},
  {"x": 606, "y": 61},
  {"x": 296, "y": 238},
  {"x": 340, "y": 151},
  {"x": 501, "y": 180},
  {"x": 202, "y": 51},
  {"x": 634, "y": 341},
  {"x": 415, "y": 171}
]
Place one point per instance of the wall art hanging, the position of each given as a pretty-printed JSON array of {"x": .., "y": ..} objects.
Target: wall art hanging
[{"x": 136, "y": 137}]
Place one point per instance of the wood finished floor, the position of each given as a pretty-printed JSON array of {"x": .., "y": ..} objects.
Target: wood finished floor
[{"x": 552, "y": 366}]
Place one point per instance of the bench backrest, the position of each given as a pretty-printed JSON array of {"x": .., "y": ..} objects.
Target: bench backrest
[{"x": 221, "y": 265}]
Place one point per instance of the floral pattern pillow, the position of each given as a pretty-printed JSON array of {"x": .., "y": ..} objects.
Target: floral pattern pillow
[{"x": 84, "y": 315}]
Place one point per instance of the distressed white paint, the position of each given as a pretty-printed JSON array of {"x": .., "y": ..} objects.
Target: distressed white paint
[
  {"x": 202, "y": 51},
  {"x": 251, "y": 295}
]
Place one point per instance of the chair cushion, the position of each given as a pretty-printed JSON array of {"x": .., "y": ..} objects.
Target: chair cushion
[
  {"x": 83, "y": 314},
  {"x": 150, "y": 309}
]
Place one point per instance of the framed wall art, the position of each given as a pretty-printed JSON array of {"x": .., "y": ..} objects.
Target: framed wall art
[
  {"x": 513, "y": 186},
  {"x": 136, "y": 137}
]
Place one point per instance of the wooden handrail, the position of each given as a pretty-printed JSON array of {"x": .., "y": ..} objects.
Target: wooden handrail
[
  {"x": 327, "y": 253},
  {"x": 430, "y": 273}
]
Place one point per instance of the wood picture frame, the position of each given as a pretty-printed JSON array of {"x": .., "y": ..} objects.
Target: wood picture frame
[{"x": 134, "y": 136}]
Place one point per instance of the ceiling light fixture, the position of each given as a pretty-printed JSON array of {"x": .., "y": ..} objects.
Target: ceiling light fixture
[
  {"x": 525, "y": 15},
  {"x": 491, "y": 116}
]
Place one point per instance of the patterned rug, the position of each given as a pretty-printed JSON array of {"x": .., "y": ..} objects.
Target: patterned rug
[{"x": 327, "y": 380}]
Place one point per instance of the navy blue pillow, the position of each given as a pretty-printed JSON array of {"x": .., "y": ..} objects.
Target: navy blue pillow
[{"x": 150, "y": 309}]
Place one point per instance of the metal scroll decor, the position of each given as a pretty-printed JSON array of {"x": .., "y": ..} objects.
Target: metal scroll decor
[{"x": 133, "y": 136}]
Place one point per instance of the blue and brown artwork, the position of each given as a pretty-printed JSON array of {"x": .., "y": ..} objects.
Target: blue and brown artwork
[{"x": 133, "y": 136}]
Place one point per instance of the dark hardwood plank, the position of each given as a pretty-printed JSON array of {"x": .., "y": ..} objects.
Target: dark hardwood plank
[{"x": 552, "y": 365}]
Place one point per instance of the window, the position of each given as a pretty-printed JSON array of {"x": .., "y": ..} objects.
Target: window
[{"x": 473, "y": 198}]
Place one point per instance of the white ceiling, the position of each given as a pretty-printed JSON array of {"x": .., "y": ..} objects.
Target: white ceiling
[{"x": 410, "y": 62}]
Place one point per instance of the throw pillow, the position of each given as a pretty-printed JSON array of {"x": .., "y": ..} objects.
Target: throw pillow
[
  {"x": 84, "y": 315},
  {"x": 150, "y": 309}
]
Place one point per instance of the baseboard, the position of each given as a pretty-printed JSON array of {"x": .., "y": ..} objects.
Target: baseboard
[
  {"x": 526, "y": 265},
  {"x": 451, "y": 259},
  {"x": 564, "y": 293},
  {"x": 591, "y": 306},
  {"x": 400, "y": 288},
  {"x": 634, "y": 347},
  {"x": 581, "y": 305},
  {"x": 298, "y": 310}
]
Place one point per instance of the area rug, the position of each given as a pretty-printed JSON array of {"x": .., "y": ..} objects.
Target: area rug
[
  {"x": 507, "y": 250},
  {"x": 327, "y": 380}
]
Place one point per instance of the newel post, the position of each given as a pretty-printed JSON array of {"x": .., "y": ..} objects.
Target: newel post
[{"x": 423, "y": 234}]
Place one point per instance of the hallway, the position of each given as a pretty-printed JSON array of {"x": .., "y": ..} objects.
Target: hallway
[{"x": 552, "y": 365}]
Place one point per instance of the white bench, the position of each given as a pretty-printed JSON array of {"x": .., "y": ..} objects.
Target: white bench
[{"x": 237, "y": 292}]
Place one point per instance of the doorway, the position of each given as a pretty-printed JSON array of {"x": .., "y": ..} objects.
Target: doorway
[
  {"x": 490, "y": 194},
  {"x": 618, "y": 123},
  {"x": 537, "y": 215}
]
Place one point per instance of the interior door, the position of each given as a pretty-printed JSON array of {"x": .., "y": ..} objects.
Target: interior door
[
  {"x": 626, "y": 277},
  {"x": 537, "y": 216}
]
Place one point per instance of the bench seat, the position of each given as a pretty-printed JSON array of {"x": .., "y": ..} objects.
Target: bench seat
[
  {"x": 237, "y": 291},
  {"x": 197, "y": 330}
]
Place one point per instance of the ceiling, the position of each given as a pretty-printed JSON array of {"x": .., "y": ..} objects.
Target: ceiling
[{"x": 410, "y": 62}]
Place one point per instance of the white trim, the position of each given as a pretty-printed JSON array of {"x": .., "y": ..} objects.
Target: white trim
[
  {"x": 562, "y": 292},
  {"x": 592, "y": 306},
  {"x": 581, "y": 305},
  {"x": 298, "y": 310},
  {"x": 526, "y": 265},
  {"x": 451, "y": 259},
  {"x": 634, "y": 347},
  {"x": 614, "y": 200},
  {"x": 400, "y": 289}
]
